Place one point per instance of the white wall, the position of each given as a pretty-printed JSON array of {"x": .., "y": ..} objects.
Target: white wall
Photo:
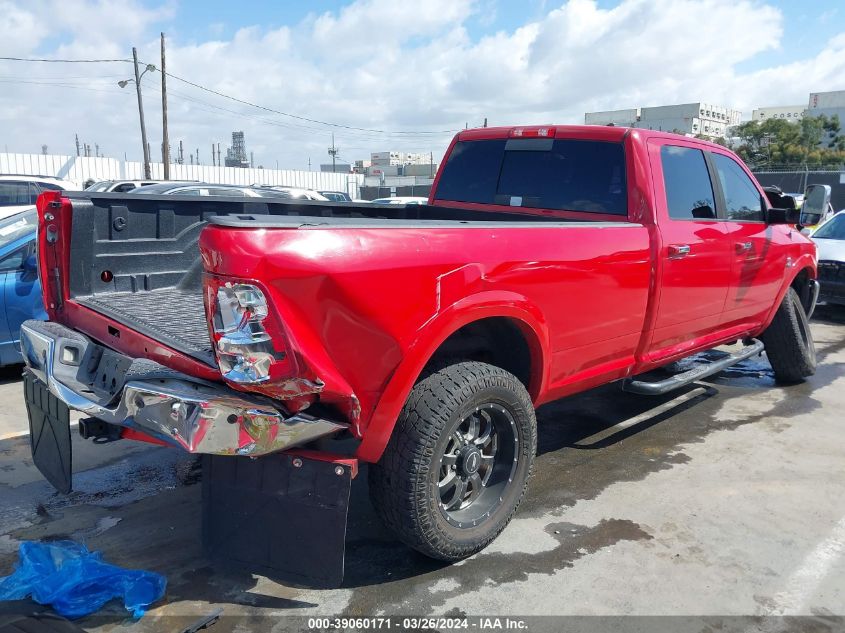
[{"x": 79, "y": 169}]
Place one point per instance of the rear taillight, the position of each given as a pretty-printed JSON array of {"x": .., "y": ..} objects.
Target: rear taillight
[{"x": 249, "y": 346}]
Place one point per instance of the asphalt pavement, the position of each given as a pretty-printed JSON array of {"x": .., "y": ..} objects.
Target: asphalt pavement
[{"x": 722, "y": 504}]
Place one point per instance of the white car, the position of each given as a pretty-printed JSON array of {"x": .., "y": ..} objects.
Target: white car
[
  {"x": 293, "y": 193},
  {"x": 401, "y": 200},
  {"x": 171, "y": 188},
  {"x": 830, "y": 241},
  {"x": 18, "y": 192},
  {"x": 120, "y": 186}
]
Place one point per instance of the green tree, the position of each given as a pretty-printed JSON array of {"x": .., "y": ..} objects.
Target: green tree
[
  {"x": 718, "y": 140},
  {"x": 815, "y": 140}
]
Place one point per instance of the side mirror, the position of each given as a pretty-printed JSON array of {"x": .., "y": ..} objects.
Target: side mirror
[
  {"x": 816, "y": 203},
  {"x": 783, "y": 216},
  {"x": 30, "y": 264},
  {"x": 778, "y": 199}
]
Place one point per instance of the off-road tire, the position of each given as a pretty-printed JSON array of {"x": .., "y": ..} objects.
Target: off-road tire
[
  {"x": 403, "y": 484},
  {"x": 789, "y": 342}
]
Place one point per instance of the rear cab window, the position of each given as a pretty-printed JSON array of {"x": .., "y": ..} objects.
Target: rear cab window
[{"x": 537, "y": 173}]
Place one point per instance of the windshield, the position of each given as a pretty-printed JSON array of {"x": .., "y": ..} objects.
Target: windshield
[
  {"x": 833, "y": 230},
  {"x": 17, "y": 226},
  {"x": 103, "y": 185}
]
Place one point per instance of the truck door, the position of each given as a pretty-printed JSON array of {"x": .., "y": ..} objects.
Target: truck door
[
  {"x": 758, "y": 259},
  {"x": 694, "y": 260}
]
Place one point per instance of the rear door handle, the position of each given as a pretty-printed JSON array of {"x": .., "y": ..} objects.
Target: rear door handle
[
  {"x": 743, "y": 247},
  {"x": 676, "y": 251}
]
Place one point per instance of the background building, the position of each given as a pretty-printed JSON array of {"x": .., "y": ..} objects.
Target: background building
[
  {"x": 236, "y": 154},
  {"x": 793, "y": 113},
  {"x": 828, "y": 104},
  {"x": 399, "y": 158},
  {"x": 685, "y": 118},
  {"x": 337, "y": 167},
  {"x": 621, "y": 118}
]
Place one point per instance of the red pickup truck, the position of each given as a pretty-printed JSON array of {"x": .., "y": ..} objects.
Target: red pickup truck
[{"x": 418, "y": 339}]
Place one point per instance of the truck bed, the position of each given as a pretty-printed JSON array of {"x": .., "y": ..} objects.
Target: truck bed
[
  {"x": 173, "y": 316},
  {"x": 135, "y": 258}
]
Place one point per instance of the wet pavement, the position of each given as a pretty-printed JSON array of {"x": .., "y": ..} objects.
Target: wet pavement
[{"x": 722, "y": 499}]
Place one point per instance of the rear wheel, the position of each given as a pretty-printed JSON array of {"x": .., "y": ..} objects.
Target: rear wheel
[
  {"x": 458, "y": 462},
  {"x": 789, "y": 342}
]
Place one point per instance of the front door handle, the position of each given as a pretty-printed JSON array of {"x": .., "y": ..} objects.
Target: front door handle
[
  {"x": 676, "y": 251},
  {"x": 743, "y": 247}
]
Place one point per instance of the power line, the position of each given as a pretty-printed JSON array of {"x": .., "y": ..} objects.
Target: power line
[
  {"x": 294, "y": 127},
  {"x": 350, "y": 128},
  {"x": 58, "y": 85},
  {"x": 63, "y": 61},
  {"x": 62, "y": 77},
  {"x": 302, "y": 118}
]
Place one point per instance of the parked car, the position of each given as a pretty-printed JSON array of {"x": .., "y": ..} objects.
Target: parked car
[
  {"x": 120, "y": 186},
  {"x": 830, "y": 240},
  {"x": 401, "y": 200},
  {"x": 293, "y": 193},
  {"x": 199, "y": 189},
  {"x": 21, "y": 292},
  {"x": 19, "y": 192},
  {"x": 336, "y": 196},
  {"x": 550, "y": 261}
]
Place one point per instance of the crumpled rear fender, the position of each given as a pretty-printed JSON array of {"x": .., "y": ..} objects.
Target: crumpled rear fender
[{"x": 514, "y": 306}]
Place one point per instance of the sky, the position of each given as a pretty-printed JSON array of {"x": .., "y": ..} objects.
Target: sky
[{"x": 389, "y": 74}]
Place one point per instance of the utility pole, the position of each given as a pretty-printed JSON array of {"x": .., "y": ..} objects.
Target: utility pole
[
  {"x": 332, "y": 152},
  {"x": 144, "y": 143},
  {"x": 181, "y": 154},
  {"x": 198, "y": 156},
  {"x": 77, "y": 144},
  {"x": 251, "y": 161},
  {"x": 219, "y": 162},
  {"x": 309, "y": 163},
  {"x": 165, "y": 149},
  {"x": 431, "y": 164},
  {"x": 96, "y": 150},
  {"x": 213, "y": 157}
]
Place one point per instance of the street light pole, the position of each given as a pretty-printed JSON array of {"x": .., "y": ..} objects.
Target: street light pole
[{"x": 141, "y": 114}]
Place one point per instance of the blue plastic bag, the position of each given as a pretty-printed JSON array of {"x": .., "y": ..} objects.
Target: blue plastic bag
[{"x": 76, "y": 582}]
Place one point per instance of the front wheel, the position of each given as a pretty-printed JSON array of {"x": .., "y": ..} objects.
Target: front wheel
[
  {"x": 789, "y": 342},
  {"x": 458, "y": 462}
]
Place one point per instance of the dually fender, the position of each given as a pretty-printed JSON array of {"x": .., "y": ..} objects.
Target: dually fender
[{"x": 431, "y": 336}]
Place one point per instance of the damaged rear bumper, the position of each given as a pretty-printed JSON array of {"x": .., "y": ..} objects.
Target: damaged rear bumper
[{"x": 197, "y": 416}]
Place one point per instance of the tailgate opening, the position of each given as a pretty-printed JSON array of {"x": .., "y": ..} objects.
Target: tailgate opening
[{"x": 137, "y": 262}]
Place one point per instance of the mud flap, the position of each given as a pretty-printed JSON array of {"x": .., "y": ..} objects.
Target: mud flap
[
  {"x": 49, "y": 433},
  {"x": 282, "y": 515}
]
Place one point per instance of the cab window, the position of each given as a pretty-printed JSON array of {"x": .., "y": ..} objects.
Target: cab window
[
  {"x": 742, "y": 199},
  {"x": 689, "y": 192}
]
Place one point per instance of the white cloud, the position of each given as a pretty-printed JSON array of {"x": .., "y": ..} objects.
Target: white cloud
[{"x": 390, "y": 65}]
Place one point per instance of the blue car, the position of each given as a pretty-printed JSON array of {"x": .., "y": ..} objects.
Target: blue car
[{"x": 19, "y": 281}]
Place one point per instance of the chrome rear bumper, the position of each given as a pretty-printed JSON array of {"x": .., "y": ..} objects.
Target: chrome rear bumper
[{"x": 197, "y": 416}]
